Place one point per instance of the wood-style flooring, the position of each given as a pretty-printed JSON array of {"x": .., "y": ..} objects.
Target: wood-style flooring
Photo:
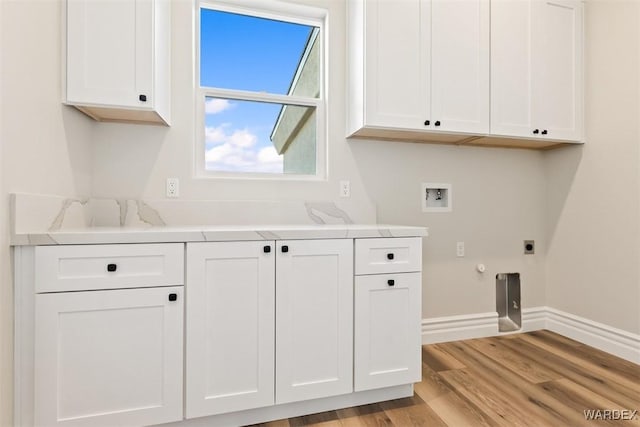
[{"x": 533, "y": 379}]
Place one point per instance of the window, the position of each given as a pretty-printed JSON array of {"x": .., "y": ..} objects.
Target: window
[{"x": 260, "y": 102}]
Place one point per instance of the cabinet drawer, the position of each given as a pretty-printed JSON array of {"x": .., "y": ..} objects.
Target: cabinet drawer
[
  {"x": 91, "y": 267},
  {"x": 388, "y": 255}
]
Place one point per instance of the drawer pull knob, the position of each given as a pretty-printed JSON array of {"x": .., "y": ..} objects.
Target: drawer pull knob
[
  {"x": 285, "y": 249},
  {"x": 266, "y": 249},
  {"x": 142, "y": 98},
  {"x": 389, "y": 256},
  {"x": 112, "y": 267},
  {"x": 173, "y": 297},
  {"x": 391, "y": 282}
]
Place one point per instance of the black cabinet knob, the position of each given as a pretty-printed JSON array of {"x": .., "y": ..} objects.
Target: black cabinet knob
[
  {"x": 285, "y": 249},
  {"x": 390, "y": 256},
  {"x": 427, "y": 122},
  {"x": 391, "y": 282},
  {"x": 112, "y": 267},
  {"x": 266, "y": 249},
  {"x": 544, "y": 132},
  {"x": 536, "y": 131},
  {"x": 173, "y": 297},
  {"x": 142, "y": 98},
  {"x": 437, "y": 123}
]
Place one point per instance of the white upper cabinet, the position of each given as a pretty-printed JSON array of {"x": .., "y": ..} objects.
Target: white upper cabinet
[
  {"x": 118, "y": 59},
  {"x": 418, "y": 65},
  {"x": 460, "y": 65},
  {"x": 536, "y": 65}
]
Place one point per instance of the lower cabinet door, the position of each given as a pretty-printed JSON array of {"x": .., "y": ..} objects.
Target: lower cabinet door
[
  {"x": 314, "y": 319},
  {"x": 230, "y": 327},
  {"x": 387, "y": 342},
  {"x": 109, "y": 358}
]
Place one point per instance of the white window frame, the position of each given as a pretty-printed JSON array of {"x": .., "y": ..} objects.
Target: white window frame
[{"x": 275, "y": 10}]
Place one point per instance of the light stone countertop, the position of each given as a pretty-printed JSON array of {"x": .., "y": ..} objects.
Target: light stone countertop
[{"x": 167, "y": 234}]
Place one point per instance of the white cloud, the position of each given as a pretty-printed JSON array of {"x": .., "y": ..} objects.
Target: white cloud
[
  {"x": 243, "y": 138},
  {"x": 236, "y": 151},
  {"x": 216, "y": 105},
  {"x": 269, "y": 155}
]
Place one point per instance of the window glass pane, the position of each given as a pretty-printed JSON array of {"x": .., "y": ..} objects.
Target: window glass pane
[
  {"x": 247, "y": 136},
  {"x": 243, "y": 52}
]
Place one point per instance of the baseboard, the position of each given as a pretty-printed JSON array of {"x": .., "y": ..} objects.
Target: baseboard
[
  {"x": 479, "y": 325},
  {"x": 454, "y": 328},
  {"x": 603, "y": 337}
]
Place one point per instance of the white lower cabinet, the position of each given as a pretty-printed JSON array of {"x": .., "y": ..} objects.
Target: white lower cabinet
[
  {"x": 108, "y": 358},
  {"x": 314, "y": 319},
  {"x": 387, "y": 344},
  {"x": 230, "y": 327},
  {"x": 267, "y": 323},
  {"x": 258, "y": 323}
]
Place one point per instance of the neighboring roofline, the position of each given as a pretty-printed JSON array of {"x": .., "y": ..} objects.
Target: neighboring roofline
[{"x": 313, "y": 36}]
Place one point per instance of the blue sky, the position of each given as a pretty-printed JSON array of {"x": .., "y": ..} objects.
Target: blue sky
[{"x": 246, "y": 53}]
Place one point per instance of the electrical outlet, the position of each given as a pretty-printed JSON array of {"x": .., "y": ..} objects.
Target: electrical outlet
[
  {"x": 345, "y": 189},
  {"x": 529, "y": 247},
  {"x": 173, "y": 187},
  {"x": 460, "y": 249}
]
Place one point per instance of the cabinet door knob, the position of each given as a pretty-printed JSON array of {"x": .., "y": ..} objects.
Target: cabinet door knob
[
  {"x": 437, "y": 123},
  {"x": 391, "y": 282},
  {"x": 142, "y": 98},
  {"x": 173, "y": 297},
  {"x": 544, "y": 132},
  {"x": 285, "y": 249},
  {"x": 266, "y": 249},
  {"x": 427, "y": 122},
  {"x": 112, "y": 267},
  {"x": 536, "y": 131},
  {"x": 390, "y": 256}
]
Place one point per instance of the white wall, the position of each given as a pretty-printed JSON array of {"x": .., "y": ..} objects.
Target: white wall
[
  {"x": 499, "y": 194},
  {"x": 593, "y": 215},
  {"x": 6, "y": 311},
  {"x": 498, "y": 201},
  {"x": 45, "y": 146}
]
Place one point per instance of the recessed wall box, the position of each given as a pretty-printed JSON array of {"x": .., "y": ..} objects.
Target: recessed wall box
[{"x": 436, "y": 197}]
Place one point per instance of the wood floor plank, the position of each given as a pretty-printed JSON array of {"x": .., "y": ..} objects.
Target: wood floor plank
[
  {"x": 581, "y": 399},
  {"x": 497, "y": 404},
  {"x": 324, "y": 419},
  {"x": 431, "y": 386},
  {"x": 576, "y": 373},
  {"x": 528, "y": 369},
  {"x": 587, "y": 364},
  {"x": 599, "y": 357},
  {"x": 520, "y": 391},
  {"x": 535, "y": 379},
  {"x": 456, "y": 411},
  {"x": 411, "y": 412},
  {"x": 367, "y": 416},
  {"x": 439, "y": 360}
]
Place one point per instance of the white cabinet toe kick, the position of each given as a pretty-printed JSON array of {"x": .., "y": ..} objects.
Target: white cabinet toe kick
[{"x": 213, "y": 333}]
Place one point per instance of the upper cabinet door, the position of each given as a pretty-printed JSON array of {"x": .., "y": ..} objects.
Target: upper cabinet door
[
  {"x": 118, "y": 59},
  {"x": 536, "y": 66},
  {"x": 511, "y": 68},
  {"x": 460, "y": 65},
  {"x": 110, "y": 52},
  {"x": 557, "y": 59},
  {"x": 314, "y": 319},
  {"x": 397, "y": 82}
]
